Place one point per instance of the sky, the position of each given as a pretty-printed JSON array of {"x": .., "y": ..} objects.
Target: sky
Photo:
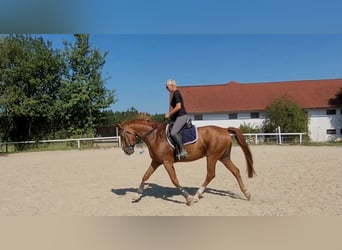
[
  {"x": 194, "y": 42},
  {"x": 138, "y": 65}
]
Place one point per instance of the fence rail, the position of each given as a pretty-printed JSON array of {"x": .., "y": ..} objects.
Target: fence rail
[
  {"x": 251, "y": 138},
  {"x": 115, "y": 139},
  {"x": 279, "y": 138}
]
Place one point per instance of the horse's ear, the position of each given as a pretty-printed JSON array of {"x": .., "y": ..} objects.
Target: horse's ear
[{"x": 120, "y": 127}]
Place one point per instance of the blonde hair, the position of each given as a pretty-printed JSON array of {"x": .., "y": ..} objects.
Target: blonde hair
[{"x": 171, "y": 82}]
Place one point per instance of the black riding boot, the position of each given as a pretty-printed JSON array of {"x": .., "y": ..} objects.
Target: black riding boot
[{"x": 178, "y": 140}]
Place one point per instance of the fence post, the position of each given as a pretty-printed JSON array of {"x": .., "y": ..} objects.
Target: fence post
[
  {"x": 78, "y": 144},
  {"x": 279, "y": 134}
]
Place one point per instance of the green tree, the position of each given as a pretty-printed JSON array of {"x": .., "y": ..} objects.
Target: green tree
[
  {"x": 123, "y": 116},
  {"x": 83, "y": 94},
  {"x": 159, "y": 118},
  {"x": 284, "y": 112},
  {"x": 337, "y": 101},
  {"x": 30, "y": 73},
  {"x": 110, "y": 117},
  {"x": 249, "y": 128}
]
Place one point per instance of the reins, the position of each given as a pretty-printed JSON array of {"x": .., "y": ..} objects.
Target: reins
[{"x": 144, "y": 137}]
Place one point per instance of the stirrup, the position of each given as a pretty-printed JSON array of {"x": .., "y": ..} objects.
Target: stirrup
[{"x": 182, "y": 155}]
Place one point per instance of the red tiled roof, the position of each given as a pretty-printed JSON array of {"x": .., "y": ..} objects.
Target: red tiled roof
[{"x": 235, "y": 97}]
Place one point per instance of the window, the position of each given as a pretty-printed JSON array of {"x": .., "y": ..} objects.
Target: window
[
  {"x": 198, "y": 117},
  {"x": 255, "y": 115},
  {"x": 331, "y": 111},
  {"x": 232, "y": 116},
  {"x": 331, "y": 131}
]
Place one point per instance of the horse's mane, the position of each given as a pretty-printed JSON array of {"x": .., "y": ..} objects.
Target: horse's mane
[{"x": 151, "y": 123}]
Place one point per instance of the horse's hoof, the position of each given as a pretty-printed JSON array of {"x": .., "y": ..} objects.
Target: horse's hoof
[
  {"x": 248, "y": 196},
  {"x": 136, "y": 198},
  {"x": 190, "y": 200},
  {"x": 197, "y": 198}
]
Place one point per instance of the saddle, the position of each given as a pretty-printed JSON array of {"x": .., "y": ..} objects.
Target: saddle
[{"x": 189, "y": 133}]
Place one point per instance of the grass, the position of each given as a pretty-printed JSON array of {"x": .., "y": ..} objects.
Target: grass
[
  {"x": 89, "y": 144},
  {"x": 46, "y": 147},
  {"x": 338, "y": 144}
]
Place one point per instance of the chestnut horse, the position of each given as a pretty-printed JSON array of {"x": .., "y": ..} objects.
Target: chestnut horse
[{"x": 213, "y": 142}]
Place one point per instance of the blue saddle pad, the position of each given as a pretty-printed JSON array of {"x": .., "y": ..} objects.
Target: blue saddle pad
[{"x": 189, "y": 135}]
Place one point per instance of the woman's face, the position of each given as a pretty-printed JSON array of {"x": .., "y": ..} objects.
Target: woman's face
[{"x": 170, "y": 87}]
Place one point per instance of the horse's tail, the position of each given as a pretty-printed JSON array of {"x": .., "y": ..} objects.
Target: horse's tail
[{"x": 245, "y": 148}]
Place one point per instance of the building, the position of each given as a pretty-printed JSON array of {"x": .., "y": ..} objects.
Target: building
[{"x": 233, "y": 104}]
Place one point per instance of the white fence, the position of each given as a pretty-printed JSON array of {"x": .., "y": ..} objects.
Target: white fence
[
  {"x": 278, "y": 138},
  {"x": 115, "y": 139},
  {"x": 252, "y": 138}
]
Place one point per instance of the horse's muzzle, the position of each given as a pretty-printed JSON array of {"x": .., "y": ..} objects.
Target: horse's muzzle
[{"x": 129, "y": 150}]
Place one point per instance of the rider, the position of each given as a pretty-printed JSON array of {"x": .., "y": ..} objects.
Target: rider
[{"x": 178, "y": 115}]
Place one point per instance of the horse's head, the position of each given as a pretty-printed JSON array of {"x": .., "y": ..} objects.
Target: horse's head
[{"x": 128, "y": 139}]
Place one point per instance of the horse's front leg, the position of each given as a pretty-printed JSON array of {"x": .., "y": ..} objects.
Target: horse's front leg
[
  {"x": 199, "y": 194},
  {"x": 150, "y": 170},
  {"x": 172, "y": 174},
  {"x": 211, "y": 165}
]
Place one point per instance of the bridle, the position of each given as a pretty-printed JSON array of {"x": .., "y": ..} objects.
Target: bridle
[
  {"x": 127, "y": 142},
  {"x": 129, "y": 146}
]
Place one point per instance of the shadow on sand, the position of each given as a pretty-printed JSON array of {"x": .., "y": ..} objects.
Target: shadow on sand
[
  {"x": 166, "y": 193},
  {"x": 3, "y": 154}
]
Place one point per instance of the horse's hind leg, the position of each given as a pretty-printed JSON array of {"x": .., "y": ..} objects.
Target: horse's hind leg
[
  {"x": 154, "y": 165},
  {"x": 236, "y": 172}
]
